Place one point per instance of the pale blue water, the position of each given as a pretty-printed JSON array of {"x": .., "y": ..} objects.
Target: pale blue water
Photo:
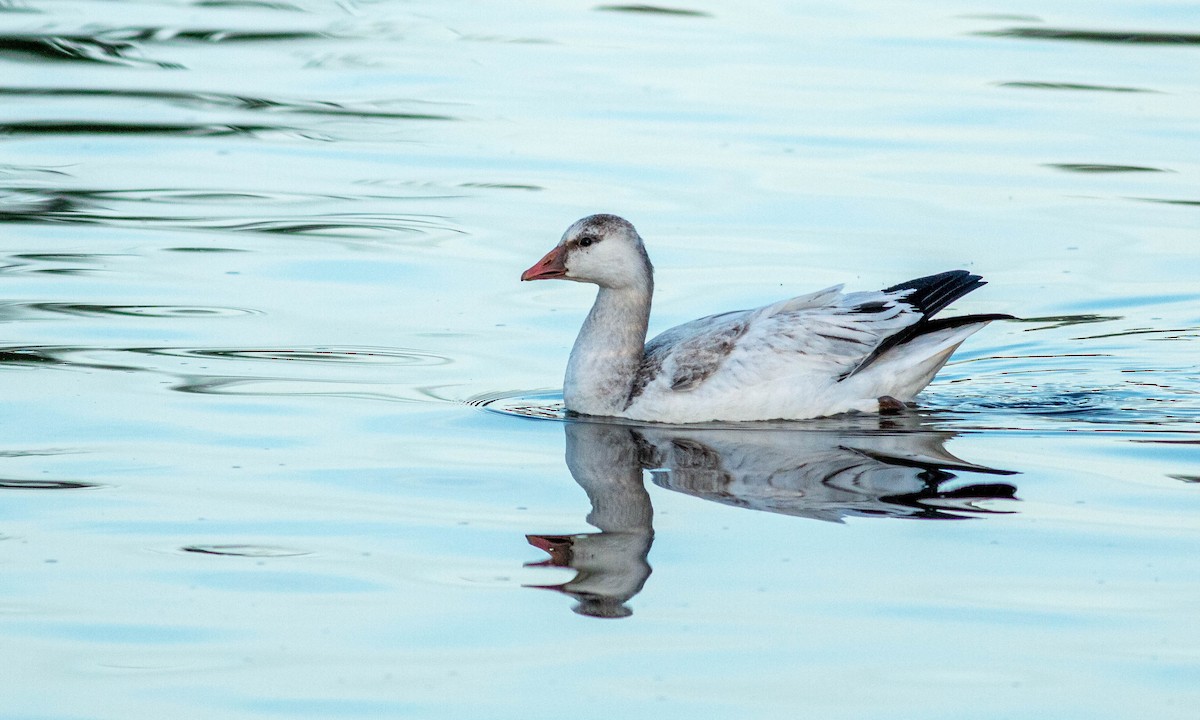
[{"x": 279, "y": 434}]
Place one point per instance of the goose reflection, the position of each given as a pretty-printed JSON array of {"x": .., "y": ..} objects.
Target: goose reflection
[{"x": 889, "y": 468}]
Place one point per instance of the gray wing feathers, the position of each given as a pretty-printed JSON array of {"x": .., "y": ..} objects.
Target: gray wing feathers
[
  {"x": 833, "y": 328},
  {"x": 699, "y": 357},
  {"x": 826, "y": 326},
  {"x": 696, "y": 349}
]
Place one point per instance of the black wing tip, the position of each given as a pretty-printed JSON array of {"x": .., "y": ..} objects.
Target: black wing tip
[
  {"x": 935, "y": 279},
  {"x": 930, "y": 295},
  {"x": 933, "y": 293}
]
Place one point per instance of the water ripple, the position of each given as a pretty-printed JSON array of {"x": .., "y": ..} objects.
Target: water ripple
[
  {"x": 1170, "y": 201},
  {"x": 331, "y": 371},
  {"x": 218, "y": 35},
  {"x": 1188, "y": 333},
  {"x": 283, "y": 387},
  {"x": 151, "y": 311},
  {"x": 251, "y": 551},
  {"x": 11, "y": 484},
  {"x": 358, "y": 355},
  {"x": 48, "y": 452},
  {"x": 79, "y": 356},
  {"x": 23, "y": 207},
  {"x": 374, "y": 109},
  {"x": 35, "y": 262},
  {"x": 1033, "y": 85},
  {"x": 1053, "y": 322},
  {"x": 335, "y": 225},
  {"x": 122, "y": 46},
  {"x": 538, "y": 406},
  {"x": 83, "y": 206},
  {"x": 1092, "y": 399},
  {"x": 12, "y": 6},
  {"x": 1120, "y": 37},
  {"x": 77, "y": 48},
  {"x": 653, "y": 10},
  {"x": 248, "y": 4},
  {"x": 1102, "y": 168},
  {"x": 95, "y": 127},
  {"x": 79, "y": 197}
]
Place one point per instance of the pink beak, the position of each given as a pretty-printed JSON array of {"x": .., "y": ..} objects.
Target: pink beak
[
  {"x": 552, "y": 266},
  {"x": 558, "y": 547}
]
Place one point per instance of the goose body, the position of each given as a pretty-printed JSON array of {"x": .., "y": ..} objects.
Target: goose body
[{"x": 813, "y": 355}]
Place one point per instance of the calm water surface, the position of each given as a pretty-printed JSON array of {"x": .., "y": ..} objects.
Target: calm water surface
[{"x": 280, "y": 433}]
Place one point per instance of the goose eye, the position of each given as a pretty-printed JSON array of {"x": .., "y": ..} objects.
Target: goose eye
[{"x": 586, "y": 241}]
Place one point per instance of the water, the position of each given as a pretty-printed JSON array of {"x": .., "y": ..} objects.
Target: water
[{"x": 280, "y": 428}]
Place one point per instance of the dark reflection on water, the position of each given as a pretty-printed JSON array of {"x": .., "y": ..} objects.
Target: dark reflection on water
[
  {"x": 1052, "y": 322},
  {"x": 248, "y": 4},
  {"x": 1186, "y": 333},
  {"x": 1102, "y": 168},
  {"x": 95, "y": 127},
  {"x": 152, "y": 311},
  {"x": 36, "y": 262},
  {"x": 49, "y": 356},
  {"x": 337, "y": 225},
  {"x": 1034, "y": 85},
  {"x": 1121, "y": 37},
  {"x": 825, "y": 475},
  {"x": 293, "y": 372},
  {"x": 215, "y": 35},
  {"x": 34, "y": 209},
  {"x": 76, "y": 48},
  {"x": 122, "y": 46},
  {"x": 653, "y": 10},
  {"x": 84, "y": 206},
  {"x": 385, "y": 356},
  {"x": 864, "y": 467},
  {"x": 203, "y": 250},
  {"x": 376, "y": 109},
  {"x": 34, "y": 453},
  {"x": 502, "y": 186},
  {"x": 77, "y": 356},
  {"x": 14, "y": 6},
  {"x": 251, "y": 551},
  {"x": 1169, "y": 201},
  {"x": 12, "y": 484}
]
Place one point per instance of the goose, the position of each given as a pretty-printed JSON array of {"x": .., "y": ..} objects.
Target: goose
[{"x": 820, "y": 354}]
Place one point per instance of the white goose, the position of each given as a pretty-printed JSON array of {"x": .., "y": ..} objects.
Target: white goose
[{"x": 814, "y": 355}]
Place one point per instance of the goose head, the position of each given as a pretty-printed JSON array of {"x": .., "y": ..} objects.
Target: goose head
[{"x": 604, "y": 250}]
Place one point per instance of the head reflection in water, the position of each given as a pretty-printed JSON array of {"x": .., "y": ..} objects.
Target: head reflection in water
[
  {"x": 606, "y": 460},
  {"x": 827, "y": 472}
]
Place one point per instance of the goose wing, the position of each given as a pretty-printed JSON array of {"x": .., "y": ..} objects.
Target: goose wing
[{"x": 828, "y": 332}]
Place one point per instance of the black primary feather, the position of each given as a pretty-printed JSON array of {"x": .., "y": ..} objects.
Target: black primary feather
[
  {"x": 930, "y": 295},
  {"x": 933, "y": 293}
]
